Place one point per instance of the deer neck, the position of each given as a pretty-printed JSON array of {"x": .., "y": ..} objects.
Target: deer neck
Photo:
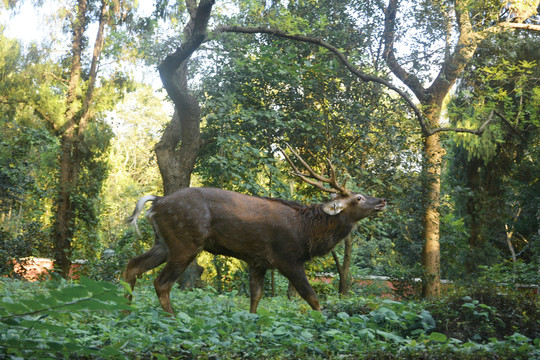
[{"x": 327, "y": 231}]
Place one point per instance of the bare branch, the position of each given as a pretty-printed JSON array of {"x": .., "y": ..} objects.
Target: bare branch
[
  {"x": 446, "y": 77},
  {"x": 520, "y": 26},
  {"x": 104, "y": 20},
  {"x": 502, "y": 26},
  {"x": 504, "y": 119},
  {"x": 79, "y": 26},
  {"x": 389, "y": 55}
]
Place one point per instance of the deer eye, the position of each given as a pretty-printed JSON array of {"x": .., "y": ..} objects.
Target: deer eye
[{"x": 360, "y": 198}]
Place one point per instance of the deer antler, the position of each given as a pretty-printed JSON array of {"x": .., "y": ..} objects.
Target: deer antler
[{"x": 336, "y": 188}]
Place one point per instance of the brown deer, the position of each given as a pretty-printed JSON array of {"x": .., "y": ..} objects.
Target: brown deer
[{"x": 266, "y": 233}]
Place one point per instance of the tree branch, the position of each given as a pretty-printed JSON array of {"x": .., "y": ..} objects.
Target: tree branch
[
  {"x": 317, "y": 41},
  {"x": 79, "y": 27},
  {"x": 465, "y": 48},
  {"x": 198, "y": 24},
  {"x": 505, "y": 120},
  {"x": 478, "y": 131},
  {"x": 520, "y": 26},
  {"x": 408, "y": 79},
  {"x": 86, "y": 114},
  {"x": 450, "y": 70}
]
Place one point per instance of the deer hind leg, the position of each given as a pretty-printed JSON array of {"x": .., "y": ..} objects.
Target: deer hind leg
[
  {"x": 154, "y": 257},
  {"x": 256, "y": 281},
  {"x": 297, "y": 276},
  {"x": 176, "y": 265}
]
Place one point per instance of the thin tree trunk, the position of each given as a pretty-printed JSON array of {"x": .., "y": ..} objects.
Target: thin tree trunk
[
  {"x": 64, "y": 224},
  {"x": 431, "y": 259},
  {"x": 510, "y": 234},
  {"x": 291, "y": 291},
  {"x": 72, "y": 134},
  {"x": 273, "y": 282},
  {"x": 344, "y": 283},
  {"x": 345, "y": 267}
]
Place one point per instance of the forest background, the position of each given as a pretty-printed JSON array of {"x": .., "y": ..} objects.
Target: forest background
[
  {"x": 85, "y": 133},
  {"x": 433, "y": 105}
]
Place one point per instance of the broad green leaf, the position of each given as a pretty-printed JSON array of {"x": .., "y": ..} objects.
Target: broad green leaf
[
  {"x": 317, "y": 316},
  {"x": 15, "y": 308},
  {"x": 436, "y": 336},
  {"x": 70, "y": 293}
]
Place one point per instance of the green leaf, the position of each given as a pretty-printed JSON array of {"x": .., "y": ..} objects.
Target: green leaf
[
  {"x": 42, "y": 325},
  {"x": 317, "y": 316},
  {"x": 438, "y": 337},
  {"x": 70, "y": 293},
  {"x": 15, "y": 308},
  {"x": 306, "y": 335},
  {"x": 366, "y": 334},
  {"x": 96, "y": 286},
  {"x": 183, "y": 317},
  {"x": 389, "y": 336},
  {"x": 127, "y": 287}
]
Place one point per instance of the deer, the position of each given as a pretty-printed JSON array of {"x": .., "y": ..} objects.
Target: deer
[{"x": 266, "y": 233}]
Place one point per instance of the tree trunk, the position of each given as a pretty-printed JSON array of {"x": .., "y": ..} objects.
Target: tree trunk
[
  {"x": 176, "y": 158},
  {"x": 431, "y": 99},
  {"x": 344, "y": 268},
  {"x": 431, "y": 259},
  {"x": 77, "y": 117},
  {"x": 179, "y": 146},
  {"x": 291, "y": 291},
  {"x": 64, "y": 219}
]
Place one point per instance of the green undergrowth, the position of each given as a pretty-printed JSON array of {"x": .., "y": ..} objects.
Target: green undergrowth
[{"x": 88, "y": 320}]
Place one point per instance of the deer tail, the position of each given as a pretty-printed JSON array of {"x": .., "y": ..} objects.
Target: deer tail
[{"x": 132, "y": 220}]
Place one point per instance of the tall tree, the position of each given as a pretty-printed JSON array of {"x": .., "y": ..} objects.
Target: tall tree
[
  {"x": 80, "y": 111},
  {"x": 179, "y": 146},
  {"x": 469, "y": 20},
  {"x": 69, "y": 99}
]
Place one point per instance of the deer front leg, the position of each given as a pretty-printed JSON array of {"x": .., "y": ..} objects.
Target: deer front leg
[{"x": 297, "y": 275}]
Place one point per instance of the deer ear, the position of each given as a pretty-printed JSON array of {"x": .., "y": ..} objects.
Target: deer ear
[{"x": 334, "y": 207}]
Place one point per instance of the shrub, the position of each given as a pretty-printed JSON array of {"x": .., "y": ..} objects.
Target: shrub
[
  {"x": 482, "y": 311},
  {"x": 405, "y": 284},
  {"x": 511, "y": 273},
  {"x": 83, "y": 320},
  {"x": 17, "y": 247}
]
